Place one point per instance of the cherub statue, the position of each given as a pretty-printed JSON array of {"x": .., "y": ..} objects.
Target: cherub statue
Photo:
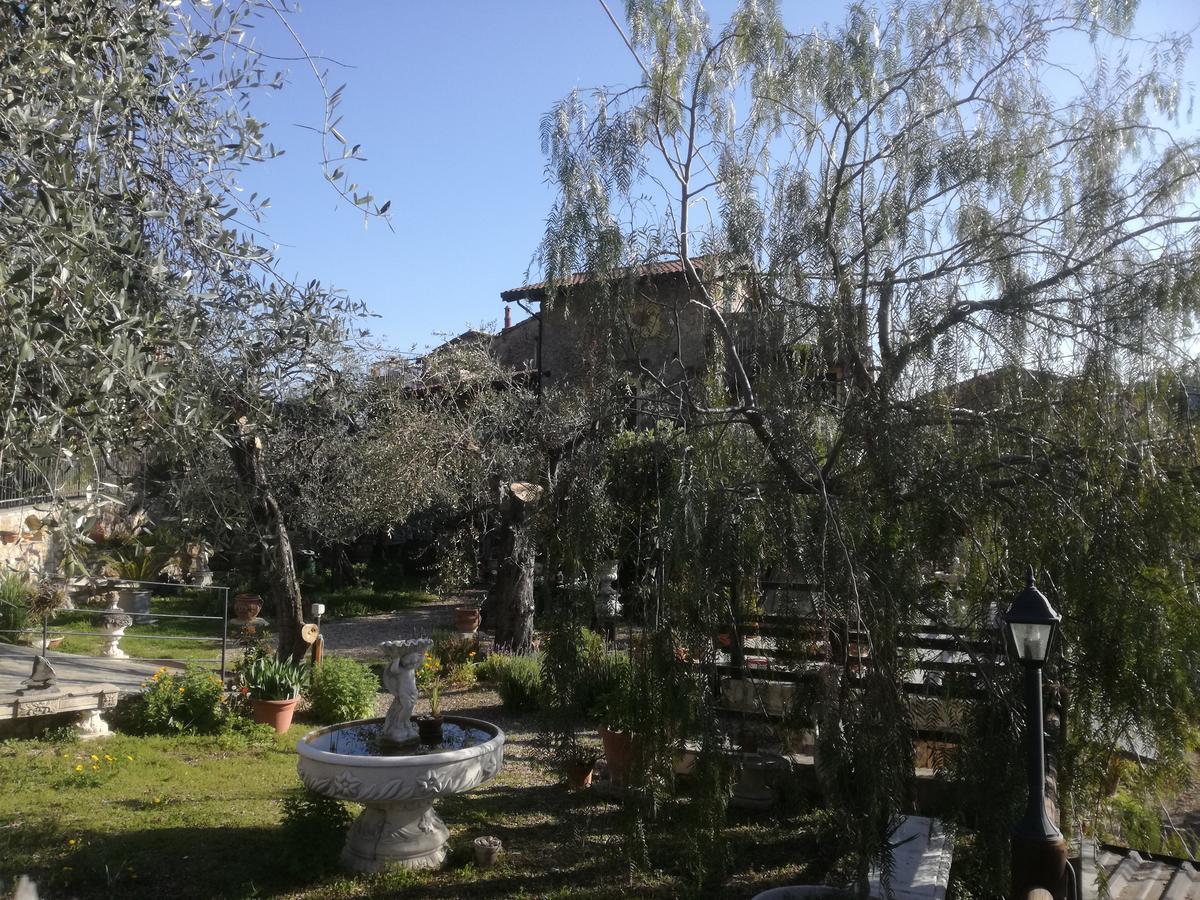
[{"x": 400, "y": 681}]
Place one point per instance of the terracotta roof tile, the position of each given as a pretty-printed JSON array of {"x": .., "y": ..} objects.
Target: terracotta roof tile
[{"x": 537, "y": 290}]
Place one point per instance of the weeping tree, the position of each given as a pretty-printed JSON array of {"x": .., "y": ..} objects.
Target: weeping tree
[
  {"x": 948, "y": 282},
  {"x": 139, "y": 308}
]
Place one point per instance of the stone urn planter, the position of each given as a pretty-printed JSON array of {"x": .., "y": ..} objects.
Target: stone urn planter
[
  {"x": 381, "y": 764},
  {"x": 466, "y": 619},
  {"x": 487, "y": 851},
  {"x": 276, "y": 713},
  {"x": 112, "y": 626},
  {"x": 246, "y": 607}
]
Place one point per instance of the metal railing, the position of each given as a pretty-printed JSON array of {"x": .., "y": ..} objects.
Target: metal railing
[
  {"x": 23, "y": 484},
  {"x": 48, "y": 634}
]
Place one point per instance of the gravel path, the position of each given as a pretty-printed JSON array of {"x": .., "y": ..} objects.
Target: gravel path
[{"x": 360, "y": 637}]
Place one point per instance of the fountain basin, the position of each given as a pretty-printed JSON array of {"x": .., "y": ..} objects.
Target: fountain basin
[{"x": 397, "y": 785}]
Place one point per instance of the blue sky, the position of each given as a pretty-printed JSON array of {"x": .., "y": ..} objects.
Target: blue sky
[{"x": 445, "y": 99}]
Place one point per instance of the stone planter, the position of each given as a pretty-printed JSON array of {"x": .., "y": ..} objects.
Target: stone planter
[
  {"x": 246, "y": 607},
  {"x": 276, "y": 713},
  {"x": 487, "y": 851},
  {"x": 135, "y": 601},
  {"x": 112, "y": 626},
  {"x": 466, "y": 619}
]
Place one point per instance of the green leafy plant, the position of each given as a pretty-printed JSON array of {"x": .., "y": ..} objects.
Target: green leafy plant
[
  {"x": 191, "y": 701},
  {"x": 15, "y": 595},
  {"x": 452, "y": 650},
  {"x": 491, "y": 667},
  {"x": 520, "y": 683},
  {"x": 341, "y": 689},
  {"x": 267, "y": 678},
  {"x": 134, "y": 561}
]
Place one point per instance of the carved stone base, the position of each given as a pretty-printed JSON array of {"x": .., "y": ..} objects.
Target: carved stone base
[
  {"x": 409, "y": 835},
  {"x": 91, "y": 725}
]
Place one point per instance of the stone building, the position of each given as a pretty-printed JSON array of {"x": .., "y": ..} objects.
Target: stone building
[{"x": 659, "y": 332}]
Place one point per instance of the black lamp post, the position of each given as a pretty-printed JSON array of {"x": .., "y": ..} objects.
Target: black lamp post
[{"x": 1039, "y": 853}]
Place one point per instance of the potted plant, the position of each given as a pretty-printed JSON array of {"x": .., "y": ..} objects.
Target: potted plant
[
  {"x": 430, "y": 726},
  {"x": 134, "y": 562},
  {"x": 579, "y": 767},
  {"x": 273, "y": 687},
  {"x": 617, "y": 734}
]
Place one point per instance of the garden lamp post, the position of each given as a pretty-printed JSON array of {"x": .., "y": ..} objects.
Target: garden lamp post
[{"x": 1039, "y": 853}]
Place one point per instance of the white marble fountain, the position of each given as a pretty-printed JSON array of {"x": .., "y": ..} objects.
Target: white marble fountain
[{"x": 381, "y": 764}]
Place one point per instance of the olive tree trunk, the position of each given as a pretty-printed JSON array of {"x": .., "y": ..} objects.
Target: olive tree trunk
[
  {"x": 247, "y": 452},
  {"x": 512, "y": 595}
]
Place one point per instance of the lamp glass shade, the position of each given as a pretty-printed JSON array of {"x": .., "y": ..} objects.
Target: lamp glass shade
[{"x": 1031, "y": 641}]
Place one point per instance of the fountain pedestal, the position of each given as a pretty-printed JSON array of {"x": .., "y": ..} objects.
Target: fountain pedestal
[{"x": 409, "y": 834}]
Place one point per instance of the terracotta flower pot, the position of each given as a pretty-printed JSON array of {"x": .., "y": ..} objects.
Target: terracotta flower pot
[
  {"x": 466, "y": 619},
  {"x": 618, "y": 751},
  {"x": 579, "y": 773},
  {"x": 247, "y": 606},
  {"x": 430, "y": 729},
  {"x": 276, "y": 713}
]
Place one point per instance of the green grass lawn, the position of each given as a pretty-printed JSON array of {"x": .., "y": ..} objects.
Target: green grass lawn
[{"x": 200, "y": 817}]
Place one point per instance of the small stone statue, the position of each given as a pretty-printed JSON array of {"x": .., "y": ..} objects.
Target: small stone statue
[
  {"x": 400, "y": 681},
  {"x": 43, "y": 675}
]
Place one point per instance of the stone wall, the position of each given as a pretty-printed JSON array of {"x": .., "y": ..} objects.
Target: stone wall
[
  {"x": 660, "y": 331},
  {"x": 23, "y": 548}
]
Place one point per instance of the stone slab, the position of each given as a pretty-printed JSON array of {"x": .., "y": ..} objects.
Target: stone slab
[
  {"x": 920, "y": 861},
  {"x": 78, "y": 677}
]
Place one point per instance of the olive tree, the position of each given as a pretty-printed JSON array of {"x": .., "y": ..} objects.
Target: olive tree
[{"x": 138, "y": 306}]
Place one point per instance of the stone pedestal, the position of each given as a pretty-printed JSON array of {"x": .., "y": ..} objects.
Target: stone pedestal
[
  {"x": 91, "y": 725},
  {"x": 410, "y": 835}
]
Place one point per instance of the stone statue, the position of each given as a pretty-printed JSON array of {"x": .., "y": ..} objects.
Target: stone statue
[
  {"x": 400, "y": 681},
  {"x": 41, "y": 677}
]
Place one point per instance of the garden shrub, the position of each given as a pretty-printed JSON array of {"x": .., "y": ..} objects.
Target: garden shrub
[
  {"x": 14, "y": 606},
  {"x": 520, "y": 683},
  {"x": 493, "y": 664},
  {"x": 604, "y": 676},
  {"x": 314, "y": 829},
  {"x": 341, "y": 690},
  {"x": 453, "y": 650},
  {"x": 462, "y": 676},
  {"x": 190, "y": 702}
]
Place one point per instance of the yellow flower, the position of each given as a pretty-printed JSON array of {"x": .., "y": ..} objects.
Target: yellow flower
[
  {"x": 79, "y": 768},
  {"x": 71, "y": 842},
  {"x": 130, "y": 758},
  {"x": 108, "y": 758},
  {"x": 95, "y": 768},
  {"x": 181, "y": 690},
  {"x": 95, "y": 758},
  {"x": 158, "y": 799}
]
